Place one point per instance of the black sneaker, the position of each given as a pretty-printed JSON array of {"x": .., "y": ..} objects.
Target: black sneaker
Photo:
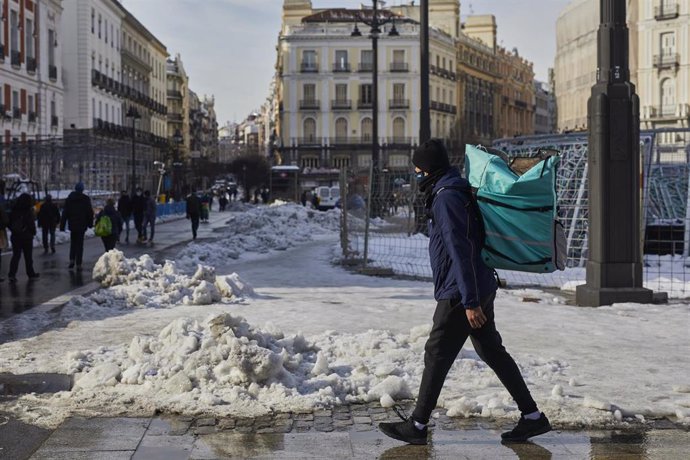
[
  {"x": 404, "y": 431},
  {"x": 71, "y": 264},
  {"x": 526, "y": 428}
]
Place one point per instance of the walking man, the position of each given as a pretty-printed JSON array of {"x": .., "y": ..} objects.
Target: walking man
[
  {"x": 138, "y": 209},
  {"x": 124, "y": 208},
  {"x": 194, "y": 212},
  {"x": 464, "y": 289},
  {"x": 48, "y": 220},
  {"x": 23, "y": 228},
  {"x": 149, "y": 216},
  {"x": 78, "y": 216}
]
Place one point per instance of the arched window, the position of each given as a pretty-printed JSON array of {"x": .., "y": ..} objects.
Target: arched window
[
  {"x": 668, "y": 96},
  {"x": 340, "y": 130},
  {"x": 399, "y": 129},
  {"x": 309, "y": 129},
  {"x": 367, "y": 129}
]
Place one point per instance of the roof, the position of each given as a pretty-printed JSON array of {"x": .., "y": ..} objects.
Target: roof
[{"x": 352, "y": 15}]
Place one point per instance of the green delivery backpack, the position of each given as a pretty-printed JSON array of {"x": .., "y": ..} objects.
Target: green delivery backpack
[
  {"x": 521, "y": 226},
  {"x": 104, "y": 227}
]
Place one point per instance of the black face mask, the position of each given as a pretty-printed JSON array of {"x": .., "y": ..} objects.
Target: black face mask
[{"x": 426, "y": 185}]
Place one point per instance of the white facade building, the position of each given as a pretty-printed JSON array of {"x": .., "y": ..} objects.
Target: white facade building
[{"x": 31, "y": 95}]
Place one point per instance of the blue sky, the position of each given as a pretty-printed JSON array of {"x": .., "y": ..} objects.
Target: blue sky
[{"x": 228, "y": 46}]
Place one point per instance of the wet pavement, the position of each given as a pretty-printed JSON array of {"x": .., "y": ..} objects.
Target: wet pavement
[
  {"x": 287, "y": 436},
  {"x": 56, "y": 280}
]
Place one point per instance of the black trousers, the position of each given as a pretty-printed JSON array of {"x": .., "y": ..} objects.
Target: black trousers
[
  {"x": 139, "y": 225},
  {"x": 195, "y": 223},
  {"x": 448, "y": 334},
  {"x": 48, "y": 232},
  {"x": 109, "y": 242},
  {"x": 21, "y": 246},
  {"x": 76, "y": 246}
]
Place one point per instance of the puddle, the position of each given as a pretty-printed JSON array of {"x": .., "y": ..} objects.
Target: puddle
[{"x": 16, "y": 385}]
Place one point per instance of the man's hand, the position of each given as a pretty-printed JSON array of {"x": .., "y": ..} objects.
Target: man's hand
[{"x": 476, "y": 317}]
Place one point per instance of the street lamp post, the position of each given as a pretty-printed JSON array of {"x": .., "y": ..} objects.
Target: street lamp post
[
  {"x": 177, "y": 140},
  {"x": 424, "y": 115},
  {"x": 375, "y": 22},
  {"x": 614, "y": 266},
  {"x": 133, "y": 113}
]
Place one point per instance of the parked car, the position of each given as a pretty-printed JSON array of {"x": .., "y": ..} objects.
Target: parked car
[{"x": 328, "y": 196}]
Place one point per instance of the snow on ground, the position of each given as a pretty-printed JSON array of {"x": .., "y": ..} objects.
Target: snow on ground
[{"x": 311, "y": 334}]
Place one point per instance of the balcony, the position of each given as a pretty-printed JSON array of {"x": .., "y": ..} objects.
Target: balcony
[
  {"x": 341, "y": 67},
  {"x": 341, "y": 104},
  {"x": 308, "y": 141},
  {"x": 310, "y": 104},
  {"x": 54, "y": 121},
  {"x": 398, "y": 103},
  {"x": 32, "y": 117},
  {"x": 15, "y": 58},
  {"x": 31, "y": 64},
  {"x": 398, "y": 140},
  {"x": 666, "y": 10},
  {"x": 52, "y": 73},
  {"x": 399, "y": 67},
  {"x": 666, "y": 61},
  {"x": 365, "y": 105},
  {"x": 309, "y": 67},
  {"x": 366, "y": 67},
  {"x": 174, "y": 94},
  {"x": 16, "y": 113},
  {"x": 345, "y": 140},
  {"x": 521, "y": 104},
  {"x": 175, "y": 117}
]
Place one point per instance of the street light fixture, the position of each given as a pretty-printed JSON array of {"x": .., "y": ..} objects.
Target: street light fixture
[
  {"x": 375, "y": 22},
  {"x": 133, "y": 113},
  {"x": 177, "y": 139}
]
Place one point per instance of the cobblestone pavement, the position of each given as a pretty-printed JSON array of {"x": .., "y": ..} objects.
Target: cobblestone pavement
[{"x": 347, "y": 432}]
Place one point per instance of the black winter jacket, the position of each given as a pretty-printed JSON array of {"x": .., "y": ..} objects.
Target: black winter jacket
[
  {"x": 77, "y": 213},
  {"x": 48, "y": 215},
  {"x": 115, "y": 219}
]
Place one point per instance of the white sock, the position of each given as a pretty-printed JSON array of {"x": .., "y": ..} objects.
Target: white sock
[
  {"x": 419, "y": 426},
  {"x": 536, "y": 415}
]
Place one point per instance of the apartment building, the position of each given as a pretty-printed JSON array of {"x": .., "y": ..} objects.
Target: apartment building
[
  {"x": 31, "y": 91},
  {"x": 177, "y": 95}
]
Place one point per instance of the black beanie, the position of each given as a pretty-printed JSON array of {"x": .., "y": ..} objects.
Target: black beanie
[{"x": 431, "y": 156}]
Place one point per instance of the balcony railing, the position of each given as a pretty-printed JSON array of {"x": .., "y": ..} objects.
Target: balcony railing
[
  {"x": 341, "y": 104},
  {"x": 399, "y": 103},
  {"x": 314, "y": 104},
  {"x": 32, "y": 117},
  {"x": 666, "y": 61},
  {"x": 345, "y": 140},
  {"x": 15, "y": 58},
  {"x": 309, "y": 140},
  {"x": 16, "y": 113},
  {"x": 341, "y": 67},
  {"x": 52, "y": 72},
  {"x": 366, "y": 67},
  {"x": 398, "y": 140},
  {"x": 175, "y": 117},
  {"x": 309, "y": 67},
  {"x": 31, "y": 64},
  {"x": 666, "y": 10},
  {"x": 363, "y": 105},
  {"x": 174, "y": 94},
  {"x": 54, "y": 121},
  {"x": 399, "y": 67}
]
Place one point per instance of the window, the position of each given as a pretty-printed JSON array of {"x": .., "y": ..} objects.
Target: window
[
  {"x": 100, "y": 109},
  {"x": 309, "y": 60},
  {"x": 367, "y": 58},
  {"x": 340, "y": 162},
  {"x": 93, "y": 106},
  {"x": 341, "y": 60},
  {"x": 99, "y": 26},
  {"x": 112, "y": 35},
  {"x": 668, "y": 96},
  {"x": 309, "y": 90},
  {"x": 310, "y": 162},
  {"x": 341, "y": 92},
  {"x": 53, "y": 111},
  {"x": 399, "y": 91},
  {"x": 365, "y": 93},
  {"x": 309, "y": 128},
  {"x": 29, "y": 38},
  {"x": 367, "y": 129},
  {"x": 398, "y": 56},
  {"x": 340, "y": 130},
  {"x": 106, "y": 31},
  {"x": 14, "y": 31},
  {"x": 15, "y": 99},
  {"x": 399, "y": 128},
  {"x": 93, "y": 21},
  {"x": 51, "y": 48},
  {"x": 668, "y": 43}
]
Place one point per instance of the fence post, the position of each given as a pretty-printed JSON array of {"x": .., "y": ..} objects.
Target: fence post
[
  {"x": 344, "y": 243},
  {"x": 367, "y": 218}
]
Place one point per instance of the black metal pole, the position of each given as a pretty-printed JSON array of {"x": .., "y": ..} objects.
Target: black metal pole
[
  {"x": 424, "y": 116},
  {"x": 375, "y": 112},
  {"x": 134, "y": 141},
  {"x": 614, "y": 267}
]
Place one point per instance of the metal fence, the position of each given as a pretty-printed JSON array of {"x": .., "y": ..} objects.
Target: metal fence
[{"x": 394, "y": 243}]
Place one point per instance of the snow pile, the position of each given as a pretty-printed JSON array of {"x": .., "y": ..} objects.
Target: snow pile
[
  {"x": 260, "y": 229},
  {"x": 143, "y": 283}
]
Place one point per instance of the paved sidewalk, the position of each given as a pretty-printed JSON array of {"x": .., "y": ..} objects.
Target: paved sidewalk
[{"x": 348, "y": 432}]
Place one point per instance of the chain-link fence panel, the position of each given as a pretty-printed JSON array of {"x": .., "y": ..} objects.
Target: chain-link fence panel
[{"x": 384, "y": 223}]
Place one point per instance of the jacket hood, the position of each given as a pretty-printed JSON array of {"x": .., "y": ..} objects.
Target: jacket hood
[{"x": 452, "y": 178}]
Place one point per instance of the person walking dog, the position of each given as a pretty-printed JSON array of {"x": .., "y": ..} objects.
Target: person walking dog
[{"x": 465, "y": 290}]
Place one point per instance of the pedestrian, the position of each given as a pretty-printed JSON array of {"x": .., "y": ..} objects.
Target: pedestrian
[
  {"x": 23, "y": 228},
  {"x": 124, "y": 208},
  {"x": 115, "y": 224},
  {"x": 264, "y": 195},
  {"x": 465, "y": 290},
  {"x": 48, "y": 220},
  {"x": 138, "y": 209},
  {"x": 315, "y": 200},
  {"x": 303, "y": 198},
  {"x": 78, "y": 216},
  {"x": 193, "y": 212},
  {"x": 4, "y": 222},
  {"x": 205, "y": 204},
  {"x": 150, "y": 212}
]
